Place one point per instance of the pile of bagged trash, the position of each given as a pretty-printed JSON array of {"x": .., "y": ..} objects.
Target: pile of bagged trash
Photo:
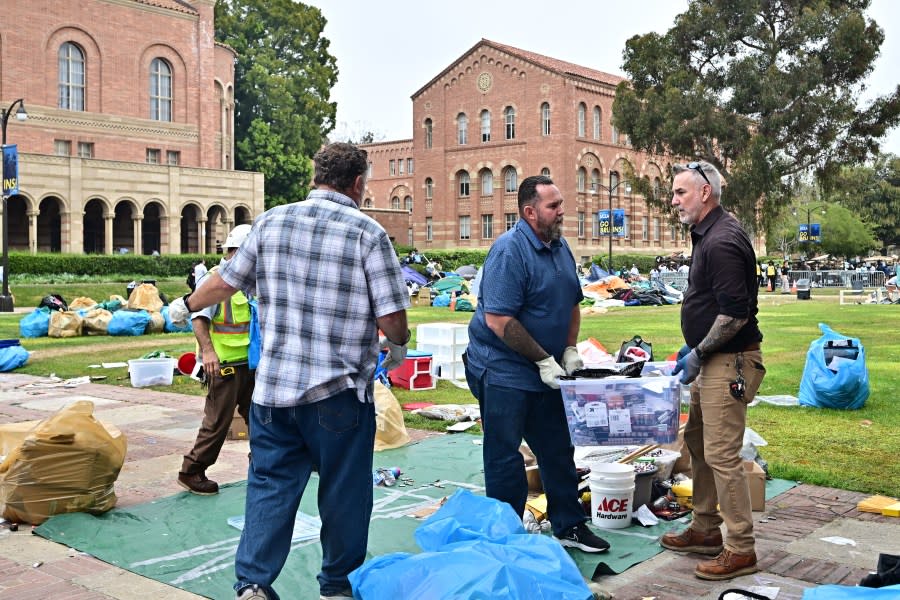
[{"x": 145, "y": 311}]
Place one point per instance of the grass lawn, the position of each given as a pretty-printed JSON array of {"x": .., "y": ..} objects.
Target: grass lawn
[{"x": 853, "y": 450}]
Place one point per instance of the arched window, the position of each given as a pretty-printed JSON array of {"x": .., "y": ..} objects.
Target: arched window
[
  {"x": 428, "y": 132},
  {"x": 485, "y": 126},
  {"x": 545, "y": 171},
  {"x": 509, "y": 115},
  {"x": 407, "y": 203},
  {"x": 510, "y": 180},
  {"x": 595, "y": 180},
  {"x": 463, "y": 178},
  {"x": 462, "y": 126},
  {"x": 160, "y": 90},
  {"x": 487, "y": 182},
  {"x": 429, "y": 188},
  {"x": 582, "y": 110},
  {"x": 615, "y": 134},
  {"x": 580, "y": 176},
  {"x": 545, "y": 118},
  {"x": 613, "y": 182},
  {"x": 657, "y": 188},
  {"x": 367, "y": 203},
  {"x": 71, "y": 77},
  {"x": 597, "y": 115},
  {"x": 395, "y": 203}
]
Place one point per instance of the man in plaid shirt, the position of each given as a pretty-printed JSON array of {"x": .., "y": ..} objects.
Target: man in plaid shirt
[{"x": 327, "y": 279}]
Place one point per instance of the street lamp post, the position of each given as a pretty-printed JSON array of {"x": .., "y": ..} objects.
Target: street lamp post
[
  {"x": 809, "y": 212},
  {"x": 6, "y": 301},
  {"x": 595, "y": 187}
]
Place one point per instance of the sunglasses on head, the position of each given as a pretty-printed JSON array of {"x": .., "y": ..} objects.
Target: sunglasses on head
[{"x": 695, "y": 166}]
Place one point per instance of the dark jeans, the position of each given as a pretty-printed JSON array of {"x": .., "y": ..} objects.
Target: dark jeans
[
  {"x": 218, "y": 411},
  {"x": 337, "y": 437},
  {"x": 507, "y": 416}
]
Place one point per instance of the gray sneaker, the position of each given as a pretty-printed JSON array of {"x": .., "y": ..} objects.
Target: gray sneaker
[{"x": 252, "y": 592}]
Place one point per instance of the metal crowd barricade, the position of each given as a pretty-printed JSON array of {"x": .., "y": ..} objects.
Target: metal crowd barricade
[
  {"x": 839, "y": 278},
  {"x": 679, "y": 281}
]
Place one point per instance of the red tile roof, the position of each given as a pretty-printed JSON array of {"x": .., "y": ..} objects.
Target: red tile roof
[
  {"x": 559, "y": 66},
  {"x": 176, "y": 5}
]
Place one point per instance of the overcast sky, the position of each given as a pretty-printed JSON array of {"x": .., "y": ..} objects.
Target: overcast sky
[{"x": 387, "y": 50}]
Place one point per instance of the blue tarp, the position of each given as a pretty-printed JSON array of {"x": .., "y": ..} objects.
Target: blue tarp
[{"x": 410, "y": 275}]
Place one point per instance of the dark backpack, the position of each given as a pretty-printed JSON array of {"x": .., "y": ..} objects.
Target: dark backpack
[
  {"x": 190, "y": 281},
  {"x": 54, "y": 302}
]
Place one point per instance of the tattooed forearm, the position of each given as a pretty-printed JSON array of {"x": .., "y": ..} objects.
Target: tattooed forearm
[
  {"x": 724, "y": 328},
  {"x": 516, "y": 337}
]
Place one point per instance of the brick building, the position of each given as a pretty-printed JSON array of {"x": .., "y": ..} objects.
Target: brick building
[
  {"x": 129, "y": 139},
  {"x": 495, "y": 116}
]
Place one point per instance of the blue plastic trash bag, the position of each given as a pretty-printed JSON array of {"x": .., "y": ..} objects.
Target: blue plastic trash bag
[
  {"x": 36, "y": 323},
  {"x": 171, "y": 327},
  {"x": 12, "y": 355},
  {"x": 475, "y": 547},
  {"x": 844, "y": 592},
  {"x": 441, "y": 300},
  {"x": 128, "y": 322},
  {"x": 255, "y": 347},
  {"x": 835, "y": 375}
]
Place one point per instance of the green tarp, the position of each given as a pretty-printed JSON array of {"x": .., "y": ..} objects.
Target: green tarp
[{"x": 185, "y": 540}]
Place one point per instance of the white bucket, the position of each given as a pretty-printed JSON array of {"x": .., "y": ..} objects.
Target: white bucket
[{"x": 612, "y": 490}]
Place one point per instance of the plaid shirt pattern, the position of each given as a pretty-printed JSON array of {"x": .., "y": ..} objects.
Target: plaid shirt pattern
[{"x": 323, "y": 272}]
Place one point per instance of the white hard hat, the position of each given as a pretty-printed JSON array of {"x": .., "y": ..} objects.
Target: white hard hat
[{"x": 236, "y": 237}]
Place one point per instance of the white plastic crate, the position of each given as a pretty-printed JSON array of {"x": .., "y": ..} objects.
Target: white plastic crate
[
  {"x": 443, "y": 353},
  {"x": 442, "y": 334},
  {"x": 151, "y": 371},
  {"x": 449, "y": 370},
  {"x": 622, "y": 412}
]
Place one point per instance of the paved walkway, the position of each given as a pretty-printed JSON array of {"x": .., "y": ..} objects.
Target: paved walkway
[{"x": 161, "y": 426}]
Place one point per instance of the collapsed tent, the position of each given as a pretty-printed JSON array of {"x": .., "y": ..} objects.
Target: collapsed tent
[{"x": 410, "y": 275}]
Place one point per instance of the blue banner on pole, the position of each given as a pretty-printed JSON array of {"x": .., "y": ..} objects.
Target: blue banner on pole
[
  {"x": 811, "y": 234},
  {"x": 10, "y": 170},
  {"x": 618, "y": 222},
  {"x": 815, "y": 233}
]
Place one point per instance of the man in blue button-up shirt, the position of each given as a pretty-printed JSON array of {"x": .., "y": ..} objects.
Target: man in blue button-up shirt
[{"x": 521, "y": 338}]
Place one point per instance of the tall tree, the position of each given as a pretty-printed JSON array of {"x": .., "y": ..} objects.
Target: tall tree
[
  {"x": 283, "y": 79},
  {"x": 762, "y": 89},
  {"x": 873, "y": 192}
]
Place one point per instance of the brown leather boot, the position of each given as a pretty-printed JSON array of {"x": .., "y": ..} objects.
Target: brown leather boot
[
  {"x": 690, "y": 540},
  {"x": 727, "y": 565},
  {"x": 197, "y": 483}
]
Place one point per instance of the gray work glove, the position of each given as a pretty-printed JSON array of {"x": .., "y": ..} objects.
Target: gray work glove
[
  {"x": 571, "y": 360},
  {"x": 178, "y": 312},
  {"x": 688, "y": 366},
  {"x": 550, "y": 370},
  {"x": 396, "y": 353}
]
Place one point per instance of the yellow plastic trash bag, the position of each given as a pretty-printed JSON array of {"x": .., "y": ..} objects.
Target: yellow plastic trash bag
[
  {"x": 390, "y": 430},
  {"x": 145, "y": 296},
  {"x": 96, "y": 322},
  {"x": 68, "y": 463},
  {"x": 64, "y": 324},
  {"x": 82, "y": 302}
]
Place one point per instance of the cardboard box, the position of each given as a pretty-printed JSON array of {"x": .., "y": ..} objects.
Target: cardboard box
[
  {"x": 622, "y": 411},
  {"x": 238, "y": 429},
  {"x": 756, "y": 478}
]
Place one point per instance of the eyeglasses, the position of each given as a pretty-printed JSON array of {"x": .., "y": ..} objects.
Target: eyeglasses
[{"x": 695, "y": 166}]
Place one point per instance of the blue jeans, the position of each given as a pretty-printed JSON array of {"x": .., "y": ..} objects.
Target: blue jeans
[
  {"x": 335, "y": 437},
  {"x": 507, "y": 416}
]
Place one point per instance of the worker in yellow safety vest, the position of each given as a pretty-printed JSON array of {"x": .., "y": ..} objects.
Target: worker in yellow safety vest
[{"x": 223, "y": 339}]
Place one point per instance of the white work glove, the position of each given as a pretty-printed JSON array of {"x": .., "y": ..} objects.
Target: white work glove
[
  {"x": 572, "y": 360},
  {"x": 396, "y": 353},
  {"x": 550, "y": 370},
  {"x": 178, "y": 312}
]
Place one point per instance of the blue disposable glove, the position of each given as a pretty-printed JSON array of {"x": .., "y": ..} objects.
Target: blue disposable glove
[
  {"x": 683, "y": 352},
  {"x": 689, "y": 367}
]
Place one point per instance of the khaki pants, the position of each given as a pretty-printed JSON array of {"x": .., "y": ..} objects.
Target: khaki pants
[{"x": 714, "y": 435}]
